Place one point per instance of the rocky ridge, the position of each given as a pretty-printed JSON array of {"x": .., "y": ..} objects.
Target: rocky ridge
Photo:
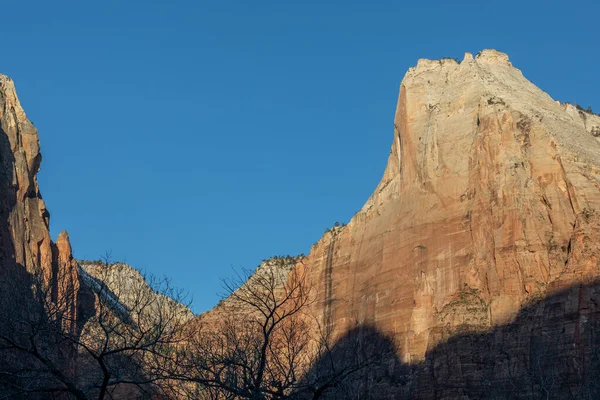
[
  {"x": 125, "y": 284},
  {"x": 277, "y": 267}
]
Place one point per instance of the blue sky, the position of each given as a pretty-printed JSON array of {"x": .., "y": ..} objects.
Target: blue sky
[{"x": 193, "y": 137}]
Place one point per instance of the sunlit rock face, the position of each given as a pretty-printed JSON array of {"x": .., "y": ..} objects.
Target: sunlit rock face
[
  {"x": 277, "y": 267},
  {"x": 126, "y": 286},
  {"x": 490, "y": 200},
  {"x": 25, "y": 245}
]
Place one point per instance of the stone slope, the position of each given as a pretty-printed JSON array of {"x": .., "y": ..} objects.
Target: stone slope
[
  {"x": 489, "y": 200},
  {"x": 276, "y": 267},
  {"x": 125, "y": 284}
]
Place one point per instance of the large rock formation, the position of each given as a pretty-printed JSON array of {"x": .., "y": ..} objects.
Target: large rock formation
[
  {"x": 25, "y": 245},
  {"x": 478, "y": 252},
  {"x": 480, "y": 247},
  {"x": 490, "y": 199}
]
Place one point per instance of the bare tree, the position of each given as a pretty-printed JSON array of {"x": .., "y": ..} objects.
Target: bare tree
[
  {"x": 262, "y": 342},
  {"x": 345, "y": 367},
  {"x": 118, "y": 349}
]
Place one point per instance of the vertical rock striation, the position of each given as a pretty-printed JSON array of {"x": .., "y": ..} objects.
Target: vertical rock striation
[{"x": 490, "y": 200}]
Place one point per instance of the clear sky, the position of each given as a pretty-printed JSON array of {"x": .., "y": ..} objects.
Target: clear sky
[{"x": 190, "y": 137}]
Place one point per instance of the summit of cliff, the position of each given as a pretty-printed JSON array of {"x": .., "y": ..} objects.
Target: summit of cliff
[{"x": 451, "y": 97}]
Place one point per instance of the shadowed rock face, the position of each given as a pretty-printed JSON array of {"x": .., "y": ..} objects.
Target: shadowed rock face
[
  {"x": 24, "y": 231},
  {"x": 551, "y": 350}
]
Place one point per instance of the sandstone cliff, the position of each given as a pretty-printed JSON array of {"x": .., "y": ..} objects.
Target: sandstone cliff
[
  {"x": 25, "y": 245},
  {"x": 490, "y": 199},
  {"x": 483, "y": 234},
  {"x": 481, "y": 241}
]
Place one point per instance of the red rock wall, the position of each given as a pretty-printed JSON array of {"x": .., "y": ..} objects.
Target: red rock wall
[
  {"x": 489, "y": 201},
  {"x": 26, "y": 247}
]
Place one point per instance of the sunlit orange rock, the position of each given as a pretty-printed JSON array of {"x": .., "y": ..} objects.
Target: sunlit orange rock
[{"x": 490, "y": 199}]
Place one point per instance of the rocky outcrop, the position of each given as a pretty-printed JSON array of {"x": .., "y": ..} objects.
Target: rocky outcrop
[
  {"x": 276, "y": 268},
  {"x": 126, "y": 286},
  {"x": 26, "y": 249}
]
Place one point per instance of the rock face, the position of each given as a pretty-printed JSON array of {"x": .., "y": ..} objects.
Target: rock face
[
  {"x": 481, "y": 241},
  {"x": 26, "y": 248},
  {"x": 490, "y": 201},
  {"x": 483, "y": 234},
  {"x": 277, "y": 267},
  {"x": 479, "y": 251},
  {"x": 126, "y": 285}
]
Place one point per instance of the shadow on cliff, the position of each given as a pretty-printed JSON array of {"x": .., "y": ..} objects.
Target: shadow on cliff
[
  {"x": 43, "y": 311},
  {"x": 16, "y": 299},
  {"x": 22, "y": 312},
  {"x": 551, "y": 350},
  {"x": 15, "y": 281},
  {"x": 361, "y": 364}
]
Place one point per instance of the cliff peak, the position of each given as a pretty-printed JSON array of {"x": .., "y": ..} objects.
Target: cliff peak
[
  {"x": 493, "y": 56},
  {"x": 489, "y": 200},
  {"x": 486, "y": 56}
]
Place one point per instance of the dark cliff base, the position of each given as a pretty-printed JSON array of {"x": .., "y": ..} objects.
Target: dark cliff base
[
  {"x": 25, "y": 373},
  {"x": 550, "y": 351}
]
